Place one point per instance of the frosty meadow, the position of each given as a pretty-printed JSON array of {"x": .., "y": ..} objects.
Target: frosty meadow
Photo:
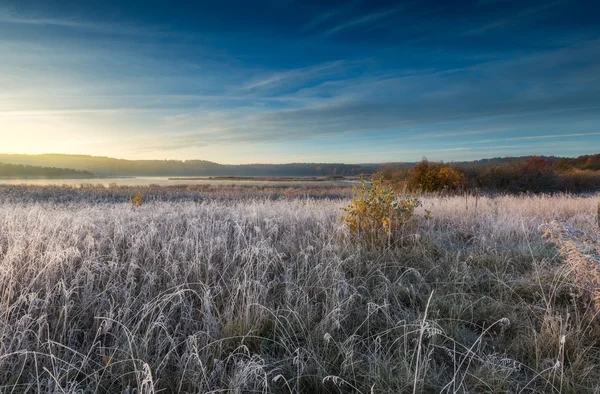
[
  {"x": 299, "y": 196},
  {"x": 253, "y": 291}
]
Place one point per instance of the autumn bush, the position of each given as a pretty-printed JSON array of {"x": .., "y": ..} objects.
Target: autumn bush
[
  {"x": 376, "y": 216},
  {"x": 137, "y": 200},
  {"x": 435, "y": 177}
]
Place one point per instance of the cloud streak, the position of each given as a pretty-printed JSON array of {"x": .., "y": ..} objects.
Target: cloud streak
[
  {"x": 541, "y": 137},
  {"x": 520, "y": 16},
  {"x": 360, "y": 21},
  {"x": 297, "y": 76},
  {"x": 326, "y": 16},
  {"x": 109, "y": 28}
]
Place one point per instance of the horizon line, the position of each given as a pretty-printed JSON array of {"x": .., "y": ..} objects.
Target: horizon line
[{"x": 290, "y": 163}]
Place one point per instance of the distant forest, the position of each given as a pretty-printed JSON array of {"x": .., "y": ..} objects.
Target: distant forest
[
  {"x": 27, "y": 171},
  {"x": 508, "y": 174},
  {"x": 536, "y": 174},
  {"x": 106, "y": 167}
]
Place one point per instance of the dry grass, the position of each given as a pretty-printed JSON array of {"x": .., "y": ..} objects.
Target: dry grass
[
  {"x": 270, "y": 294},
  {"x": 582, "y": 252}
]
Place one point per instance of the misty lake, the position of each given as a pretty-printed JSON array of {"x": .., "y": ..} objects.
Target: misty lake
[{"x": 164, "y": 181}]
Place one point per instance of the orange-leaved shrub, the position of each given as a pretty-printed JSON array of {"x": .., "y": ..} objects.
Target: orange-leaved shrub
[
  {"x": 376, "y": 216},
  {"x": 137, "y": 200},
  {"x": 434, "y": 177}
]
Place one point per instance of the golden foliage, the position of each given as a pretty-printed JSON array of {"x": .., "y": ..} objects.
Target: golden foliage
[
  {"x": 376, "y": 216},
  {"x": 428, "y": 177},
  {"x": 137, "y": 200}
]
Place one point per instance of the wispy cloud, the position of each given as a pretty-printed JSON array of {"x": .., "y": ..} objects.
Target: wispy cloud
[
  {"x": 323, "y": 17},
  {"x": 52, "y": 112},
  {"x": 540, "y": 137},
  {"x": 7, "y": 18},
  {"x": 296, "y": 76},
  {"x": 518, "y": 17},
  {"x": 320, "y": 19},
  {"x": 167, "y": 142},
  {"x": 109, "y": 28},
  {"x": 361, "y": 21}
]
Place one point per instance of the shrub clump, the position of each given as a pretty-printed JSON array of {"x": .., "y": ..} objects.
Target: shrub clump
[
  {"x": 434, "y": 177},
  {"x": 376, "y": 216},
  {"x": 137, "y": 200}
]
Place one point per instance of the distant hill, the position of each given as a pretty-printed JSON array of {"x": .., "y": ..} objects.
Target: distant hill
[
  {"x": 106, "y": 166},
  {"x": 499, "y": 161},
  {"x": 474, "y": 163},
  {"x": 584, "y": 162},
  {"x": 27, "y": 171}
]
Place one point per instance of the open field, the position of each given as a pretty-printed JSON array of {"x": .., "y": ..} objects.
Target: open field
[
  {"x": 98, "y": 193},
  {"x": 249, "y": 289}
]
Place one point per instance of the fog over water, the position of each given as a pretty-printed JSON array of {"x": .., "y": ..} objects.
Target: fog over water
[{"x": 162, "y": 181}]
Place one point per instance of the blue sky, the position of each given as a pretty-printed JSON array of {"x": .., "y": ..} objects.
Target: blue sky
[{"x": 300, "y": 81}]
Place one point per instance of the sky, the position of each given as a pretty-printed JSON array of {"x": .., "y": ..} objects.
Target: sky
[{"x": 279, "y": 81}]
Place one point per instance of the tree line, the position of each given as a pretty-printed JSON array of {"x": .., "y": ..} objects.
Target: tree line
[
  {"x": 106, "y": 166},
  {"x": 26, "y": 171},
  {"x": 534, "y": 174}
]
